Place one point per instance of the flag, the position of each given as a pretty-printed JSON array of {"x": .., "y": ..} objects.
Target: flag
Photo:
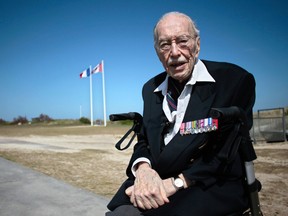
[
  {"x": 85, "y": 73},
  {"x": 98, "y": 68}
]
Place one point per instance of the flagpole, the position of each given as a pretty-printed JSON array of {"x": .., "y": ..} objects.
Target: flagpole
[
  {"x": 104, "y": 100},
  {"x": 91, "y": 97}
]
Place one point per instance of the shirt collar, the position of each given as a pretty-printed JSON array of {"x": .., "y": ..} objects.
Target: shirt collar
[{"x": 200, "y": 74}]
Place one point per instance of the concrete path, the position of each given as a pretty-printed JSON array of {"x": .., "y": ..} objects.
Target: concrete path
[{"x": 25, "y": 192}]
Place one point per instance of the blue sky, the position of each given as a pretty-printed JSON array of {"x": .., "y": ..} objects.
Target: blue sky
[{"x": 46, "y": 44}]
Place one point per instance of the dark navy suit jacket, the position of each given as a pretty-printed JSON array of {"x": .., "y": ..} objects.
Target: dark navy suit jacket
[{"x": 219, "y": 188}]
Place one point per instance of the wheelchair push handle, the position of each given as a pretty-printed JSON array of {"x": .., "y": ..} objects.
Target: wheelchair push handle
[
  {"x": 137, "y": 123},
  {"x": 126, "y": 116},
  {"x": 227, "y": 114}
]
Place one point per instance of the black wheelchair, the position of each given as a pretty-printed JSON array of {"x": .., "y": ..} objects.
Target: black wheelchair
[{"x": 238, "y": 140}]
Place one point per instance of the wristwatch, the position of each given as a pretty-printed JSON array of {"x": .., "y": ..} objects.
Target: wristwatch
[{"x": 178, "y": 183}]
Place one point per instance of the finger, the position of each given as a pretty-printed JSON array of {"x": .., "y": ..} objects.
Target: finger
[
  {"x": 156, "y": 199},
  {"x": 139, "y": 204},
  {"x": 164, "y": 195},
  {"x": 143, "y": 202},
  {"x": 161, "y": 197},
  {"x": 149, "y": 201},
  {"x": 129, "y": 190},
  {"x": 133, "y": 200},
  {"x": 153, "y": 203}
]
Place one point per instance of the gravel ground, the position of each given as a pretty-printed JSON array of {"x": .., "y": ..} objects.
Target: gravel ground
[{"x": 86, "y": 157}]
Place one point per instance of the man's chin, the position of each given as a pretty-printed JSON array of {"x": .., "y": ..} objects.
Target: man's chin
[{"x": 180, "y": 75}]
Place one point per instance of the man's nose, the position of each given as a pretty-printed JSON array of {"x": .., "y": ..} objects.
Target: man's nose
[{"x": 174, "y": 49}]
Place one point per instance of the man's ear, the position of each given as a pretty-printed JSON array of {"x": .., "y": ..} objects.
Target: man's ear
[{"x": 197, "y": 50}]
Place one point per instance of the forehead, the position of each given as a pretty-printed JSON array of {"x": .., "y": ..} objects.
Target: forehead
[{"x": 173, "y": 26}]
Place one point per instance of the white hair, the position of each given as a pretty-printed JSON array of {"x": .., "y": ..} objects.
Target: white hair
[{"x": 196, "y": 32}]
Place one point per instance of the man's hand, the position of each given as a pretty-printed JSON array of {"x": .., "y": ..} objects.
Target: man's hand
[{"x": 149, "y": 190}]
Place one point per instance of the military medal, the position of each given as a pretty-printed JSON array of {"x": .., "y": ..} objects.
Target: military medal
[
  {"x": 198, "y": 126},
  {"x": 196, "y": 129},
  {"x": 206, "y": 125},
  {"x": 188, "y": 128},
  {"x": 182, "y": 129},
  {"x": 214, "y": 124}
]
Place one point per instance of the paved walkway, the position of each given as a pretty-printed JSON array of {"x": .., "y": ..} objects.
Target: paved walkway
[{"x": 25, "y": 192}]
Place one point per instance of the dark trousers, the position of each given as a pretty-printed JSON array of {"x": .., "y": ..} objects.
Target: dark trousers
[
  {"x": 130, "y": 210},
  {"x": 125, "y": 210}
]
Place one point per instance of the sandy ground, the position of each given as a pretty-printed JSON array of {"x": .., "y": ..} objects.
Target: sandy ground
[{"x": 93, "y": 163}]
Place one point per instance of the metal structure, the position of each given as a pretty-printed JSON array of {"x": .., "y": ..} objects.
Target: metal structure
[{"x": 270, "y": 125}]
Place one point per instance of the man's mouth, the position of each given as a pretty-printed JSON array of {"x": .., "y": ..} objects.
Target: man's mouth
[{"x": 176, "y": 64}]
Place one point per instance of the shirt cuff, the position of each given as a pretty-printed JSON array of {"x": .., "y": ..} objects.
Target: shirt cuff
[{"x": 134, "y": 165}]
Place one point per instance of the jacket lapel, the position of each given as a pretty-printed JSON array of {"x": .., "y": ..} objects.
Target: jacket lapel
[
  {"x": 202, "y": 97},
  {"x": 181, "y": 147},
  {"x": 156, "y": 124}
]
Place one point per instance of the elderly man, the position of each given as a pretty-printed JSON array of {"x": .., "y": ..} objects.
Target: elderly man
[{"x": 175, "y": 167}]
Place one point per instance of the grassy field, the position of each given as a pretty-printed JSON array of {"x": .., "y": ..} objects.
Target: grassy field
[
  {"x": 60, "y": 129},
  {"x": 101, "y": 168}
]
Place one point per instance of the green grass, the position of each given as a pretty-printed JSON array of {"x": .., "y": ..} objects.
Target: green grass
[{"x": 62, "y": 127}]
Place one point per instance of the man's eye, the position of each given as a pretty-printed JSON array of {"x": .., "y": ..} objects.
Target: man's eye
[
  {"x": 182, "y": 41},
  {"x": 165, "y": 45}
]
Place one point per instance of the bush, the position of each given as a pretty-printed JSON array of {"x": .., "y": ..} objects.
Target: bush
[
  {"x": 42, "y": 118},
  {"x": 2, "y": 122},
  {"x": 84, "y": 120},
  {"x": 45, "y": 118},
  {"x": 20, "y": 120}
]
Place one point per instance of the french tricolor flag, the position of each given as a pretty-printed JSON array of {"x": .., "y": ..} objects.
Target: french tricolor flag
[{"x": 85, "y": 73}]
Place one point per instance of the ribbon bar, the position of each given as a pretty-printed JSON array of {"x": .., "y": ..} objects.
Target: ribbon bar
[{"x": 199, "y": 126}]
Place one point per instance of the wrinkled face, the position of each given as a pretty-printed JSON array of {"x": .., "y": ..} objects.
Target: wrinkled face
[{"x": 177, "y": 46}]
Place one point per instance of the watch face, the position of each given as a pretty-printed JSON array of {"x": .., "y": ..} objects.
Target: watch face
[{"x": 179, "y": 182}]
